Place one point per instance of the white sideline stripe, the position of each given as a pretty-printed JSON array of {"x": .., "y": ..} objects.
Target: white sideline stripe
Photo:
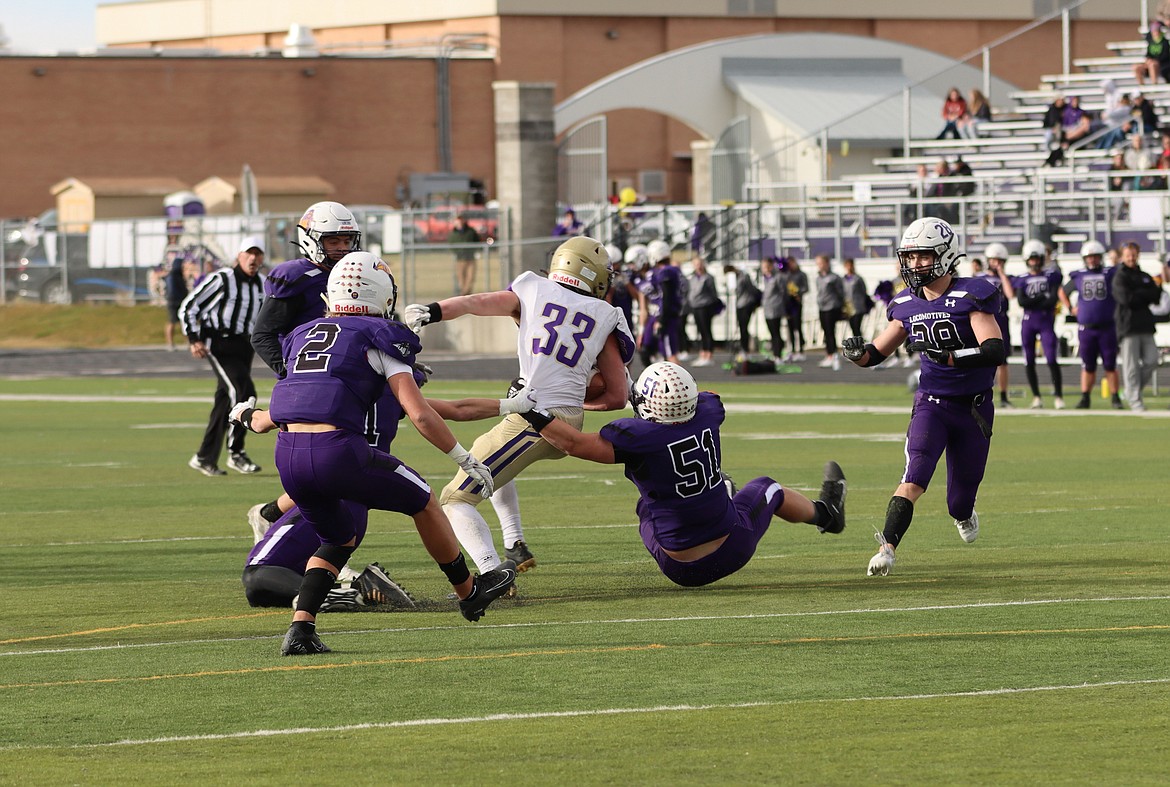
[
  {"x": 610, "y": 621},
  {"x": 575, "y": 714},
  {"x": 789, "y": 409}
]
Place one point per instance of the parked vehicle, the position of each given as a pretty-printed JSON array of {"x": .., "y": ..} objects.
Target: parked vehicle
[{"x": 434, "y": 224}]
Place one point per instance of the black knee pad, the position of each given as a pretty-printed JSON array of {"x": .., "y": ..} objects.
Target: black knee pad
[{"x": 334, "y": 555}]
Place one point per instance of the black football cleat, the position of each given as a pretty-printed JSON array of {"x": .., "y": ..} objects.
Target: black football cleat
[
  {"x": 486, "y": 588},
  {"x": 302, "y": 640},
  {"x": 833, "y": 496},
  {"x": 521, "y": 555}
]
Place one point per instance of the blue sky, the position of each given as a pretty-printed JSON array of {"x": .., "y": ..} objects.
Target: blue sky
[{"x": 49, "y": 25}]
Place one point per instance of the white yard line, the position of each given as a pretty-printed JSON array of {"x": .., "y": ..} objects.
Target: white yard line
[{"x": 573, "y": 714}]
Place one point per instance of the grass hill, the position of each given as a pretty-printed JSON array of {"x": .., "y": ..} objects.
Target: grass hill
[{"x": 84, "y": 325}]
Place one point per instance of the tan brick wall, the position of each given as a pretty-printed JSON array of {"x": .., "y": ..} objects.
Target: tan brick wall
[{"x": 364, "y": 124}]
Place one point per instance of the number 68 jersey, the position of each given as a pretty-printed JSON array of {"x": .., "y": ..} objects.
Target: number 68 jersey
[
  {"x": 562, "y": 332},
  {"x": 945, "y": 323}
]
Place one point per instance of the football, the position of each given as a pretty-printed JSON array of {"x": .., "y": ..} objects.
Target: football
[{"x": 595, "y": 388}]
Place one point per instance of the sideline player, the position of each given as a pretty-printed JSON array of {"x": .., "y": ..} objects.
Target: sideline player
[
  {"x": 567, "y": 329},
  {"x": 997, "y": 257},
  {"x": 951, "y": 321},
  {"x": 1037, "y": 292},
  {"x": 338, "y": 367},
  {"x": 1096, "y": 329},
  {"x": 696, "y": 531}
]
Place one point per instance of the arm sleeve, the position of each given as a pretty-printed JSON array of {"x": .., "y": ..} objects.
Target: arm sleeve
[
  {"x": 276, "y": 316},
  {"x": 386, "y": 366},
  {"x": 193, "y": 307}
]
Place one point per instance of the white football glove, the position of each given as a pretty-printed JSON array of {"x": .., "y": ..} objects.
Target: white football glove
[
  {"x": 242, "y": 412},
  {"x": 417, "y": 315},
  {"x": 520, "y": 402},
  {"x": 474, "y": 468}
]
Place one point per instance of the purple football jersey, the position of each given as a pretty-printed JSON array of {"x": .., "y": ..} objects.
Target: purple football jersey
[
  {"x": 1036, "y": 292},
  {"x": 945, "y": 323},
  {"x": 676, "y": 468},
  {"x": 299, "y": 278},
  {"x": 1095, "y": 304},
  {"x": 667, "y": 290},
  {"x": 329, "y": 379}
]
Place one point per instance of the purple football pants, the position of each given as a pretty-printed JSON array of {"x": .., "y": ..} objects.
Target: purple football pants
[
  {"x": 937, "y": 425},
  {"x": 753, "y": 507}
]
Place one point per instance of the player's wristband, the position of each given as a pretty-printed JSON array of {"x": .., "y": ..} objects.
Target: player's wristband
[
  {"x": 539, "y": 419},
  {"x": 875, "y": 357},
  {"x": 436, "y": 313}
]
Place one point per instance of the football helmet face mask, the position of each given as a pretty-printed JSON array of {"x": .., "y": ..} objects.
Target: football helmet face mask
[
  {"x": 665, "y": 393},
  {"x": 1093, "y": 253},
  {"x": 581, "y": 264},
  {"x": 361, "y": 283},
  {"x": 324, "y": 219},
  {"x": 933, "y": 236},
  {"x": 1034, "y": 254}
]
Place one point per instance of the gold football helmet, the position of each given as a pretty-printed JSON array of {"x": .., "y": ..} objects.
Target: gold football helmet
[{"x": 583, "y": 264}]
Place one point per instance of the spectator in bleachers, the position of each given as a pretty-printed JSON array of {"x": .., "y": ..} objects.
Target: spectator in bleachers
[
  {"x": 1053, "y": 124},
  {"x": 919, "y": 189},
  {"x": 961, "y": 169},
  {"x": 1157, "y": 60},
  {"x": 1162, "y": 15},
  {"x": 1137, "y": 158},
  {"x": 1146, "y": 112},
  {"x": 1075, "y": 123},
  {"x": 978, "y": 112},
  {"x": 569, "y": 225},
  {"x": 1117, "y": 116},
  {"x": 940, "y": 189},
  {"x": 954, "y": 109}
]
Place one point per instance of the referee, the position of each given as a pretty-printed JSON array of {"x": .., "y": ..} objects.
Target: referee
[{"x": 218, "y": 317}]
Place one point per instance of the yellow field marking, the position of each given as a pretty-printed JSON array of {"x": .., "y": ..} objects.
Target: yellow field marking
[
  {"x": 301, "y": 667},
  {"x": 130, "y": 626},
  {"x": 583, "y": 651}
]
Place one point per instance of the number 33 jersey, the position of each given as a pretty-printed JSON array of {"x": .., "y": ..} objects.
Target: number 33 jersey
[
  {"x": 945, "y": 324},
  {"x": 561, "y": 334}
]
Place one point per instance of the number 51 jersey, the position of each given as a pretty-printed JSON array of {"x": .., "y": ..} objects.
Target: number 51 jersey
[{"x": 561, "y": 334}]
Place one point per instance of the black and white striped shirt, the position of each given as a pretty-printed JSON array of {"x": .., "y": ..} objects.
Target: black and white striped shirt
[{"x": 224, "y": 304}]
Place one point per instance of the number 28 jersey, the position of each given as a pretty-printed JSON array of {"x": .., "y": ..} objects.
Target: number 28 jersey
[
  {"x": 945, "y": 323},
  {"x": 561, "y": 334}
]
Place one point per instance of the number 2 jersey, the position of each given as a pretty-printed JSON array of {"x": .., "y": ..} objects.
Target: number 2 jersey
[
  {"x": 562, "y": 332},
  {"x": 330, "y": 380},
  {"x": 945, "y": 323},
  {"x": 676, "y": 468}
]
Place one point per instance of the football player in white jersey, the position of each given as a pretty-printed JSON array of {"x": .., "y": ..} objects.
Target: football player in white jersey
[{"x": 568, "y": 333}]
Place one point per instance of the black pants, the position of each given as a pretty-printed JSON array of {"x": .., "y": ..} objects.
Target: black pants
[
  {"x": 744, "y": 318},
  {"x": 703, "y": 316},
  {"x": 231, "y": 360},
  {"x": 855, "y": 324},
  {"x": 829, "y": 320},
  {"x": 774, "y": 327}
]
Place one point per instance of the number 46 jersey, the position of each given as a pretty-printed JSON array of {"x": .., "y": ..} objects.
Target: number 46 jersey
[
  {"x": 945, "y": 323},
  {"x": 561, "y": 334}
]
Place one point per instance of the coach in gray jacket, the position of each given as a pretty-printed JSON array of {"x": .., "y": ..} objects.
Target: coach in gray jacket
[{"x": 830, "y": 304}]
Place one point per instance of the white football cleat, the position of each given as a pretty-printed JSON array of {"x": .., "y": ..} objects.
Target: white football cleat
[
  {"x": 1058, "y": 403},
  {"x": 259, "y": 524},
  {"x": 1037, "y": 403},
  {"x": 969, "y": 527},
  {"x": 883, "y": 561}
]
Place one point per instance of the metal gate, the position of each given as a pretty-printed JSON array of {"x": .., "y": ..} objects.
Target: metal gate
[
  {"x": 729, "y": 161},
  {"x": 582, "y": 167}
]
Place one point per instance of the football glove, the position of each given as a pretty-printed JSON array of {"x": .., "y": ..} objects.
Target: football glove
[
  {"x": 520, "y": 402},
  {"x": 516, "y": 386},
  {"x": 933, "y": 353},
  {"x": 474, "y": 468},
  {"x": 422, "y": 373},
  {"x": 242, "y": 413},
  {"x": 418, "y": 315},
  {"x": 853, "y": 348}
]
